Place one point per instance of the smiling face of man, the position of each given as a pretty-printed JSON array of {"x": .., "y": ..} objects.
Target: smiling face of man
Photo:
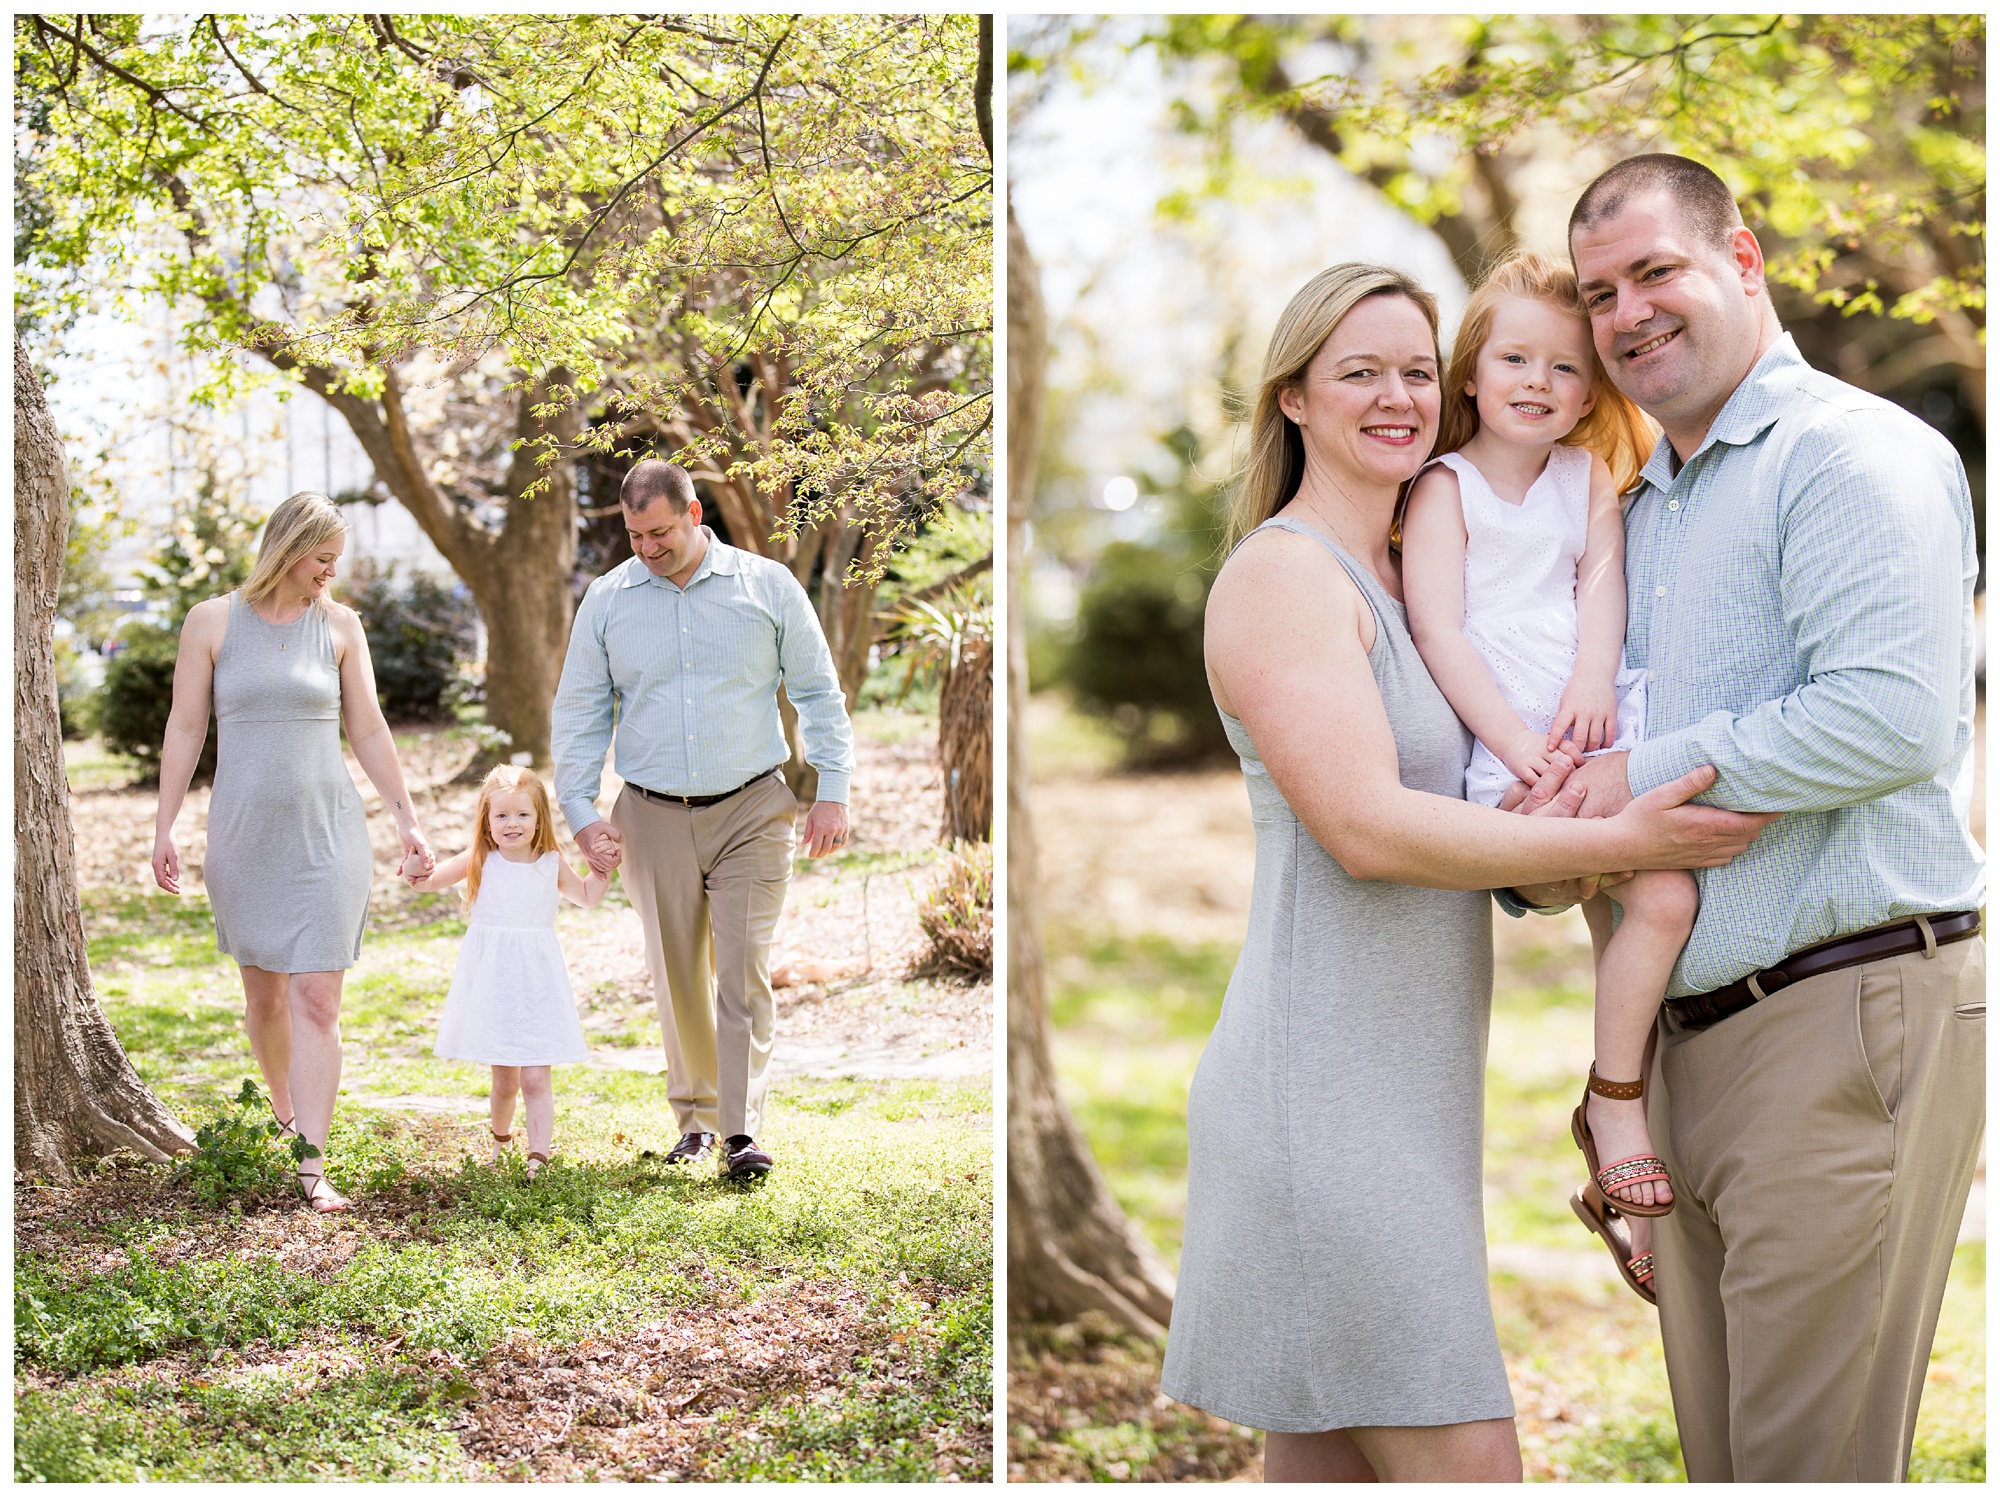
[{"x": 1678, "y": 318}]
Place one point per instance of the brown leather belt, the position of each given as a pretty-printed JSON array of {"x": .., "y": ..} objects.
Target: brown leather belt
[
  {"x": 696, "y": 802},
  {"x": 1704, "y": 1009}
]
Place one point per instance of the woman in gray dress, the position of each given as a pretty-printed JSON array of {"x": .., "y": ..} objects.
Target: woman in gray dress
[
  {"x": 1333, "y": 1273},
  {"x": 288, "y": 865}
]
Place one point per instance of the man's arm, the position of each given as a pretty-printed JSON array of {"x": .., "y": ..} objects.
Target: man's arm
[
  {"x": 1871, "y": 583},
  {"x": 582, "y": 718},
  {"x": 805, "y": 669}
]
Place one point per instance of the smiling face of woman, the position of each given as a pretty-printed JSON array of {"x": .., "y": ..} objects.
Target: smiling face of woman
[
  {"x": 1367, "y": 404},
  {"x": 313, "y": 573}
]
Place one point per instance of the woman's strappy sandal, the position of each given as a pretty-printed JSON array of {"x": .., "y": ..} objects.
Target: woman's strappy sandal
[
  {"x": 1637, "y": 1170},
  {"x": 535, "y": 1163},
  {"x": 321, "y": 1195},
  {"x": 500, "y": 1142},
  {"x": 1637, "y": 1272}
]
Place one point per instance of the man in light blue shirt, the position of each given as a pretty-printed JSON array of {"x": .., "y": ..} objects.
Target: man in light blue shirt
[
  {"x": 1799, "y": 563},
  {"x": 683, "y": 650}
]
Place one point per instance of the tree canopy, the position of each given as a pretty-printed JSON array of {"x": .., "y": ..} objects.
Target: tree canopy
[{"x": 784, "y": 219}]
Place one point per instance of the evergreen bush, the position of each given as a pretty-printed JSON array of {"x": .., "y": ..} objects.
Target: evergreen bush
[{"x": 418, "y": 633}]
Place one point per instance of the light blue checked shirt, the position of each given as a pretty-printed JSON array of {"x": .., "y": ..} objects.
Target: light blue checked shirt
[
  {"x": 1800, "y": 592},
  {"x": 690, "y": 677}
]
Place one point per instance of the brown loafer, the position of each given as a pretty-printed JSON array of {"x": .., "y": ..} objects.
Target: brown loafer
[
  {"x": 693, "y": 1148},
  {"x": 744, "y": 1160}
]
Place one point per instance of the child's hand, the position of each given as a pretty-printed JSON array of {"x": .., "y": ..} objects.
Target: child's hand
[
  {"x": 1588, "y": 713},
  {"x": 1530, "y": 757},
  {"x": 416, "y": 867}
]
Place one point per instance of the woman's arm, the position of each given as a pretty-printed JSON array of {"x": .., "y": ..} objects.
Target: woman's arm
[
  {"x": 1284, "y": 657},
  {"x": 202, "y": 632},
  {"x": 368, "y": 731},
  {"x": 447, "y": 873},
  {"x": 1434, "y": 594},
  {"x": 580, "y": 890},
  {"x": 1589, "y": 708}
]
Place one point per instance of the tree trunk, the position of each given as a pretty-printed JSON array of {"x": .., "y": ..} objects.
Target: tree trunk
[
  {"x": 76, "y": 1095},
  {"x": 965, "y": 744},
  {"x": 520, "y": 574},
  {"x": 1069, "y": 1246}
]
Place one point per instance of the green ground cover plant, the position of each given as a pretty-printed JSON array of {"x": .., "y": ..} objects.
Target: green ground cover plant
[{"x": 616, "y": 1319}]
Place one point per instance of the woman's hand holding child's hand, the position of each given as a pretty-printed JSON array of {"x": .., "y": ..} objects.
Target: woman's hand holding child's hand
[
  {"x": 417, "y": 867},
  {"x": 1588, "y": 713}
]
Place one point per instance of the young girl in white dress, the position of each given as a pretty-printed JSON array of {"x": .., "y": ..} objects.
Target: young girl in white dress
[
  {"x": 510, "y": 1005},
  {"x": 1514, "y": 575}
]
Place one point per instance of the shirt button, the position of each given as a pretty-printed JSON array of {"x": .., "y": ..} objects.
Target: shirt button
[
  {"x": 1673, "y": 504},
  {"x": 1659, "y": 592}
]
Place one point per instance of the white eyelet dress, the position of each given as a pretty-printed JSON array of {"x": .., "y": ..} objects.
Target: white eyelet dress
[
  {"x": 1520, "y": 602},
  {"x": 1333, "y": 1271},
  {"x": 510, "y": 1002},
  {"x": 288, "y": 862}
]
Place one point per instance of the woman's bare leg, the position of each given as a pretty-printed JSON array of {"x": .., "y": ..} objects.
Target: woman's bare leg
[
  {"x": 1484, "y": 1450},
  {"x": 1632, "y": 971},
  {"x": 1329, "y": 1456},
  {"x": 315, "y": 1068},
  {"x": 267, "y": 1020},
  {"x": 538, "y": 1092}
]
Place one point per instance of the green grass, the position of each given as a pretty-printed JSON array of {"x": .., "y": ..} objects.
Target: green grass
[
  {"x": 1131, "y": 1017},
  {"x": 157, "y": 1339}
]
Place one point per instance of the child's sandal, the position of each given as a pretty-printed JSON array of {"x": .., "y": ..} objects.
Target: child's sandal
[
  {"x": 1620, "y": 1173},
  {"x": 535, "y": 1163},
  {"x": 500, "y": 1142}
]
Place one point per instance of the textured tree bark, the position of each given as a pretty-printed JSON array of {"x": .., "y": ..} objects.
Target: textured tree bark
[
  {"x": 965, "y": 744},
  {"x": 1069, "y": 1246},
  {"x": 76, "y": 1095}
]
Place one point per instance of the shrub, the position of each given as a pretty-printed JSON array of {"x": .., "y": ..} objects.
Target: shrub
[
  {"x": 243, "y": 1153},
  {"x": 957, "y": 915},
  {"x": 76, "y": 700},
  {"x": 418, "y": 632},
  {"x": 1135, "y": 655},
  {"x": 137, "y": 696}
]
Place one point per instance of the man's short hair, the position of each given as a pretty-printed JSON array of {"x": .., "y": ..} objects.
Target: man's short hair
[
  {"x": 1700, "y": 194},
  {"x": 650, "y": 479}
]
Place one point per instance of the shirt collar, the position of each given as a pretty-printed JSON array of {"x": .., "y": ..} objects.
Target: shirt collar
[
  {"x": 721, "y": 560},
  {"x": 1751, "y": 408}
]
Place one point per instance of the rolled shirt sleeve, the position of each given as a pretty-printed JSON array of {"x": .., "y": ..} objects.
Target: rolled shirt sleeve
[{"x": 812, "y": 685}]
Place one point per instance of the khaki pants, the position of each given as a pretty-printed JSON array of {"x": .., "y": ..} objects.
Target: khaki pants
[
  {"x": 709, "y": 885},
  {"x": 1822, "y": 1144}
]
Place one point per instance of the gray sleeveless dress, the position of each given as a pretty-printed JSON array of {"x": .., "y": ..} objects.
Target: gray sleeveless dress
[
  {"x": 288, "y": 864},
  {"x": 1333, "y": 1271}
]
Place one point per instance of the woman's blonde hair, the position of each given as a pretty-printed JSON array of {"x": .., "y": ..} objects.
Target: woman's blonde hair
[
  {"x": 1616, "y": 430},
  {"x": 501, "y": 778},
  {"x": 297, "y": 528},
  {"x": 1277, "y": 457}
]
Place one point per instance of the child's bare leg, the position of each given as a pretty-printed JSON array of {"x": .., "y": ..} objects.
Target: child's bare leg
[
  {"x": 1632, "y": 972},
  {"x": 538, "y": 1091},
  {"x": 500, "y": 1104}
]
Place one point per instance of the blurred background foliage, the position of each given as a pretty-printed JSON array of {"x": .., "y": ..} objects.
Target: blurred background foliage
[{"x": 1855, "y": 144}]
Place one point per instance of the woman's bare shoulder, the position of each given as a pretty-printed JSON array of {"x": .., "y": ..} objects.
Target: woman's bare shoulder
[{"x": 207, "y": 621}]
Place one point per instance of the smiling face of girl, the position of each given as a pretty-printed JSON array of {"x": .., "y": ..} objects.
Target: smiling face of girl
[
  {"x": 1533, "y": 378},
  {"x": 511, "y": 820}
]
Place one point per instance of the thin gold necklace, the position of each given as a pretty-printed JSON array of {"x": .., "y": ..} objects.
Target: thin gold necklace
[{"x": 284, "y": 643}]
